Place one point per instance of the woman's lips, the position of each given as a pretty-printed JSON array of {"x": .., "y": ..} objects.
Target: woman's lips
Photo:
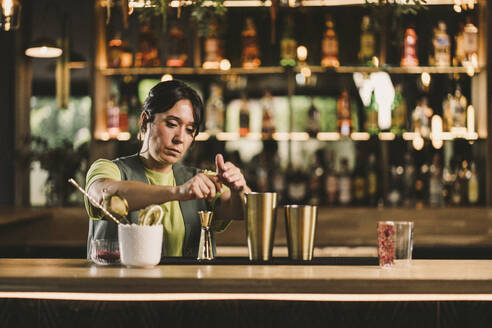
[{"x": 173, "y": 151}]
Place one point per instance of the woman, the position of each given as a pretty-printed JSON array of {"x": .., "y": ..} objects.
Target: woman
[{"x": 170, "y": 119}]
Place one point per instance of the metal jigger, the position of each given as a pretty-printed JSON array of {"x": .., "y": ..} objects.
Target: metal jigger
[{"x": 205, "y": 249}]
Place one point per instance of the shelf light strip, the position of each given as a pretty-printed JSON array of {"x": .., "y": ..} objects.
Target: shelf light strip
[
  {"x": 244, "y": 296},
  {"x": 305, "y": 3}
]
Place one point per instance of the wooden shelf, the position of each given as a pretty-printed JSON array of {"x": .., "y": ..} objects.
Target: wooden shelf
[
  {"x": 329, "y": 136},
  {"x": 189, "y": 71},
  {"x": 280, "y": 70}
]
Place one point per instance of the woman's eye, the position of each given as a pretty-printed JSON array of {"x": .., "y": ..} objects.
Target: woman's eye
[
  {"x": 171, "y": 125},
  {"x": 190, "y": 130}
]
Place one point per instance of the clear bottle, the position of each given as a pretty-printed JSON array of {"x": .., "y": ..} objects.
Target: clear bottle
[
  {"x": 344, "y": 183},
  {"x": 251, "y": 54},
  {"x": 288, "y": 44},
  {"x": 329, "y": 45},
  {"x": 367, "y": 42},
  {"x": 331, "y": 181},
  {"x": 409, "y": 56},
  {"x": 176, "y": 56},
  {"x": 470, "y": 42},
  {"x": 435, "y": 183},
  {"x": 459, "y": 54},
  {"x": 442, "y": 45},
  {"x": 344, "y": 114},
  {"x": 113, "y": 117},
  {"x": 268, "y": 116},
  {"x": 421, "y": 117},
  {"x": 214, "y": 110}
]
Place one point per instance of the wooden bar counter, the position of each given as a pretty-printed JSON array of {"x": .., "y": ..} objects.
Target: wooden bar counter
[{"x": 424, "y": 280}]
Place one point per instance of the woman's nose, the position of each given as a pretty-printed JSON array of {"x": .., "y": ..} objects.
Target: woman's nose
[{"x": 179, "y": 136}]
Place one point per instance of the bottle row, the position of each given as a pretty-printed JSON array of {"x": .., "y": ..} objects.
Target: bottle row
[
  {"x": 149, "y": 49},
  {"x": 327, "y": 118},
  {"x": 410, "y": 184}
]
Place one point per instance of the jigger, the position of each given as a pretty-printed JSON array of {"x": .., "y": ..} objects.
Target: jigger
[{"x": 205, "y": 248}]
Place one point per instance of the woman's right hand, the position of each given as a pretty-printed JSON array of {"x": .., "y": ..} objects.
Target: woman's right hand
[{"x": 201, "y": 186}]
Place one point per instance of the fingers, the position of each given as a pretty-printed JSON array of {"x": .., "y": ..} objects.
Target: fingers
[
  {"x": 219, "y": 164},
  {"x": 203, "y": 186}
]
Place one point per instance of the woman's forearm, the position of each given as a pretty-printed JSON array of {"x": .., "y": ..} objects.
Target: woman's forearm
[{"x": 138, "y": 194}]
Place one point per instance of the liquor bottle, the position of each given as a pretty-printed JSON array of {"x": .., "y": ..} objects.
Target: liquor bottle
[
  {"x": 176, "y": 45},
  {"x": 459, "y": 54},
  {"x": 214, "y": 110},
  {"x": 344, "y": 183},
  {"x": 435, "y": 183},
  {"x": 277, "y": 178},
  {"x": 296, "y": 186},
  {"x": 408, "y": 181},
  {"x": 115, "y": 50},
  {"x": 421, "y": 181},
  {"x": 261, "y": 182},
  {"x": 442, "y": 46},
  {"x": 465, "y": 175},
  {"x": 473, "y": 190},
  {"x": 113, "y": 117},
  {"x": 371, "y": 123},
  {"x": 316, "y": 179},
  {"x": 372, "y": 181},
  {"x": 457, "y": 189},
  {"x": 344, "y": 114},
  {"x": 268, "y": 118},
  {"x": 313, "y": 120},
  {"x": 329, "y": 45},
  {"x": 421, "y": 117},
  {"x": 331, "y": 181},
  {"x": 409, "y": 56},
  {"x": 288, "y": 45},
  {"x": 251, "y": 54},
  {"x": 454, "y": 109},
  {"x": 123, "y": 117},
  {"x": 359, "y": 180},
  {"x": 394, "y": 195},
  {"x": 367, "y": 42},
  {"x": 448, "y": 183},
  {"x": 399, "y": 112},
  {"x": 147, "y": 53},
  {"x": 470, "y": 41},
  {"x": 134, "y": 116},
  {"x": 244, "y": 117},
  {"x": 212, "y": 47}
]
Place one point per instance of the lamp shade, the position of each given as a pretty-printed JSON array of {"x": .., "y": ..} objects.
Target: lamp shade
[{"x": 44, "y": 48}]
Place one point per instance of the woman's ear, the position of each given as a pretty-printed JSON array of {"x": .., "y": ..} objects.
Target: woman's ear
[{"x": 144, "y": 119}]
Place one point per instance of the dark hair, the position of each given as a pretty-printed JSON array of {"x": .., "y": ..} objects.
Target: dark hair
[{"x": 164, "y": 95}]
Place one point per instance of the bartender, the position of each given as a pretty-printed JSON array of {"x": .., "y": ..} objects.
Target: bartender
[{"x": 170, "y": 119}]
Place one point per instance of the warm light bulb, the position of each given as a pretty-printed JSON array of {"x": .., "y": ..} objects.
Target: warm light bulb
[
  {"x": 225, "y": 65},
  {"x": 166, "y": 77},
  {"x": 418, "y": 142},
  {"x": 436, "y": 126},
  {"x": 426, "y": 79},
  {"x": 302, "y": 53},
  {"x": 306, "y": 71}
]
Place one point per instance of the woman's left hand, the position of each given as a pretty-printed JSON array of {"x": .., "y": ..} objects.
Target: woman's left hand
[{"x": 230, "y": 175}]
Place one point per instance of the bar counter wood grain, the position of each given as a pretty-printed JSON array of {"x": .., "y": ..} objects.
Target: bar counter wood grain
[{"x": 78, "y": 279}]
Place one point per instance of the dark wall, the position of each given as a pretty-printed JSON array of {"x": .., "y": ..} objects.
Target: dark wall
[{"x": 7, "y": 118}]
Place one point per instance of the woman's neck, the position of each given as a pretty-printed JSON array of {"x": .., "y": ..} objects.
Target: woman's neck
[{"x": 150, "y": 163}]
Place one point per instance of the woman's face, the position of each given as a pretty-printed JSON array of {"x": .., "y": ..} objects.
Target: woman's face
[{"x": 171, "y": 133}]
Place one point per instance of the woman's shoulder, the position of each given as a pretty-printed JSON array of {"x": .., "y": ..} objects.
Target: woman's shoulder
[{"x": 103, "y": 168}]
